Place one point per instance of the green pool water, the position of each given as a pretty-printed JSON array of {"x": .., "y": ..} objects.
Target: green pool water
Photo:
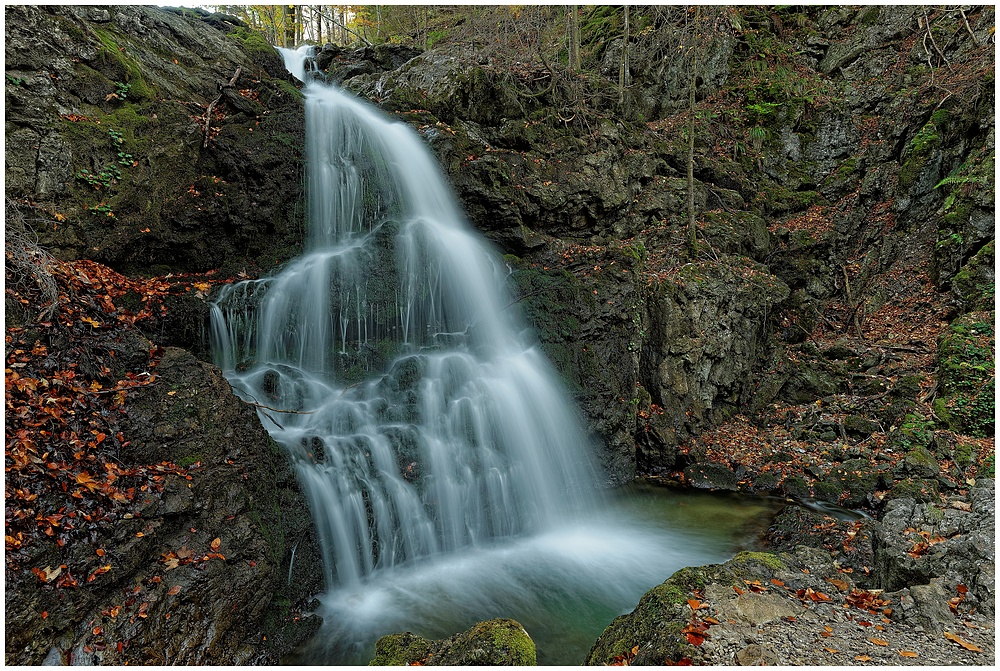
[{"x": 564, "y": 586}]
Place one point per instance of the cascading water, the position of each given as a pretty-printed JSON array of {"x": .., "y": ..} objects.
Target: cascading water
[{"x": 444, "y": 467}]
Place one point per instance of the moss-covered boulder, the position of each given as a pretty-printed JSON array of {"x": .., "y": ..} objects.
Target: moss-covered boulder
[
  {"x": 966, "y": 370},
  {"x": 652, "y": 634},
  {"x": 975, "y": 284},
  {"x": 499, "y": 642},
  {"x": 921, "y": 462}
]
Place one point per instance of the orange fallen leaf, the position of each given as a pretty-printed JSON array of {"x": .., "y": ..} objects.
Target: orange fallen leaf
[
  {"x": 839, "y": 584},
  {"x": 878, "y": 641},
  {"x": 174, "y": 590},
  {"x": 695, "y": 604},
  {"x": 216, "y": 544},
  {"x": 863, "y": 658},
  {"x": 962, "y": 642},
  {"x": 830, "y": 649},
  {"x": 908, "y": 653}
]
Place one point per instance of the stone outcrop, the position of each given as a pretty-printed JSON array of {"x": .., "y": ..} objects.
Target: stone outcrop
[{"x": 106, "y": 137}]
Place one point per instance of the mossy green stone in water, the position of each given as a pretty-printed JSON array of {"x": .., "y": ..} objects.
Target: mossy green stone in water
[
  {"x": 400, "y": 650},
  {"x": 499, "y": 642}
]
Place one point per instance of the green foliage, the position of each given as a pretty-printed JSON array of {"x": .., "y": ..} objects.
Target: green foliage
[
  {"x": 122, "y": 89},
  {"x": 914, "y": 432},
  {"x": 111, "y": 173},
  {"x": 988, "y": 470},
  {"x": 15, "y": 81},
  {"x": 103, "y": 209}
]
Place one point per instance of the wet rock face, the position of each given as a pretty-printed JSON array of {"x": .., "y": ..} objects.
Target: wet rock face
[
  {"x": 106, "y": 134},
  {"x": 200, "y": 573}
]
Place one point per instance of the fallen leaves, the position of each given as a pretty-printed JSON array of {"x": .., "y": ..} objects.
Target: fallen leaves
[
  {"x": 972, "y": 647},
  {"x": 623, "y": 660},
  {"x": 908, "y": 653},
  {"x": 879, "y": 641},
  {"x": 839, "y": 584},
  {"x": 808, "y": 594},
  {"x": 63, "y": 442},
  {"x": 47, "y": 574}
]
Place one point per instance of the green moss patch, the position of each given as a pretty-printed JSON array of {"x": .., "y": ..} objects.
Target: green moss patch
[{"x": 967, "y": 375}]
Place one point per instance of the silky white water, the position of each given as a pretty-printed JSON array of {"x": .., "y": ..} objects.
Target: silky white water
[{"x": 446, "y": 470}]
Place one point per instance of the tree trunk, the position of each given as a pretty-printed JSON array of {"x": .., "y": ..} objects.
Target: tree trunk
[
  {"x": 573, "y": 38},
  {"x": 692, "y": 227},
  {"x": 623, "y": 75}
]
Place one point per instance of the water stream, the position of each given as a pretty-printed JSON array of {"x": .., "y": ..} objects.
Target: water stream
[{"x": 445, "y": 467}]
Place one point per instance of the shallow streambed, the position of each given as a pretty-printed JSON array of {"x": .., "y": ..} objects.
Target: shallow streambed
[{"x": 564, "y": 586}]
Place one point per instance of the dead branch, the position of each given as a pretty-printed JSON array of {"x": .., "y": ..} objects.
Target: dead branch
[
  {"x": 290, "y": 412},
  {"x": 927, "y": 25},
  {"x": 211, "y": 105}
]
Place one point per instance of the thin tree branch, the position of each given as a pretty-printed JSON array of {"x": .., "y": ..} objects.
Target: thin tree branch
[{"x": 211, "y": 105}]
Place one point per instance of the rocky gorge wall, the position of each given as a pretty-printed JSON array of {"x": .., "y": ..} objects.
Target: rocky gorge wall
[{"x": 831, "y": 340}]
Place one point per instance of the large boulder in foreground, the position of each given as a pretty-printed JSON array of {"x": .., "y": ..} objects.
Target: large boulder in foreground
[{"x": 499, "y": 642}]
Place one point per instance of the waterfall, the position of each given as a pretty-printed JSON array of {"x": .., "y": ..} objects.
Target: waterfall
[
  {"x": 448, "y": 476},
  {"x": 392, "y": 364}
]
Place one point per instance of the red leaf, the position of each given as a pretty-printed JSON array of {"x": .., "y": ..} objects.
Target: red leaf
[{"x": 694, "y": 638}]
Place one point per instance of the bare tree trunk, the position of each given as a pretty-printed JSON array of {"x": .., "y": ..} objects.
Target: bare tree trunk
[
  {"x": 573, "y": 38},
  {"x": 692, "y": 227},
  {"x": 623, "y": 75}
]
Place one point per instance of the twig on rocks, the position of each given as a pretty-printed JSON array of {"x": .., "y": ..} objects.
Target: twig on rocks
[{"x": 211, "y": 105}]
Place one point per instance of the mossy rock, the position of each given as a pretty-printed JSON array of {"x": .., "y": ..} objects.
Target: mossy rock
[
  {"x": 855, "y": 425},
  {"x": 966, "y": 372},
  {"x": 920, "y": 490},
  {"x": 974, "y": 285},
  {"x": 796, "y": 487},
  {"x": 400, "y": 650},
  {"x": 711, "y": 476},
  {"x": 828, "y": 491},
  {"x": 921, "y": 462},
  {"x": 906, "y": 387},
  {"x": 857, "y": 481},
  {"x": 651, "y": 633},
  {"x": 499, "y": 642},
  {"x": 895, "y": 411}
]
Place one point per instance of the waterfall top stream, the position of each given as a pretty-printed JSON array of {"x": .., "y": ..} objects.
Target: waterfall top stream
[{"x": 447, "y": 472}]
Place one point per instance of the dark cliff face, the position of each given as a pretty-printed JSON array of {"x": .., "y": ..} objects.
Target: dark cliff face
[
  {"x": 106, "y": 160},
  {"x": 106, "y": 138},
  {"x": 832, "y": 161}
]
